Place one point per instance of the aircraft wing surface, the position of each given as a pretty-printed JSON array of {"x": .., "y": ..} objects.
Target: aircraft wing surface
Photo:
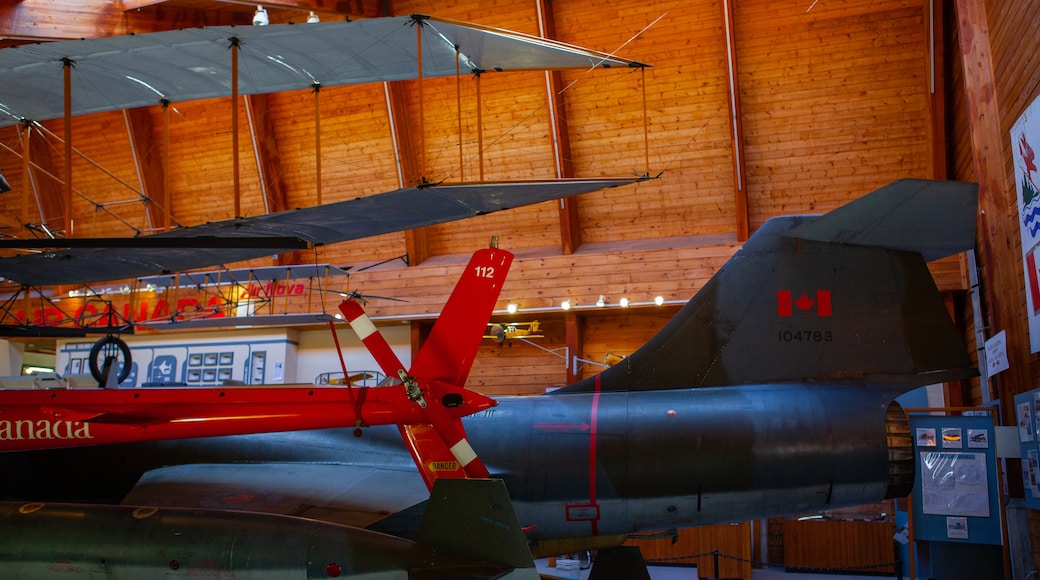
[
  {"x": 354, "y": 495},
  {"x": 382, "y": 213},
  {"x": 124, "y": 72}
]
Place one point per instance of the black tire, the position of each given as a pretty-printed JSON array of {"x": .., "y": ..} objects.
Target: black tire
[{"x": 105, "y": 347}]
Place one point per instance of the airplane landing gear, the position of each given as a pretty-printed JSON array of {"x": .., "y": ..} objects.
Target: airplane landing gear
[{"x": 109, "y": 354}]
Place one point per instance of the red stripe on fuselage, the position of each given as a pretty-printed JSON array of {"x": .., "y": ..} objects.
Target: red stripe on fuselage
[{"x": 593, "y": 423}]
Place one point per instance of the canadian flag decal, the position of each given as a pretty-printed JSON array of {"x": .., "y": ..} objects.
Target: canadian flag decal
[{"x": 789, "y": 303}]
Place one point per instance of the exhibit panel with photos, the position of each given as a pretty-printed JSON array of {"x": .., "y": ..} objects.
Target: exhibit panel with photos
[
  {"x": 956, "y": 503},
  {"x": 1027, "y": 414}
]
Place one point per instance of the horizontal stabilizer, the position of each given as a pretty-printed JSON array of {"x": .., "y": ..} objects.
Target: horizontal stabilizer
[
  {"x": 933, "y": 218},
  {"x": 474, "y": 518}
]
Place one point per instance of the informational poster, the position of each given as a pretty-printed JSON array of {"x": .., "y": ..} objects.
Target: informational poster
[
  {"x": 954, "y": 484},
  {"x": 1026, "y": 405},
  {"x": 1025, "y": 142},
  {"x": 957, "y": 528},
  {"x": 955, "y": 492},
  {"x": 1025, "y": 421},
  {"x": 996, "y": 354}
]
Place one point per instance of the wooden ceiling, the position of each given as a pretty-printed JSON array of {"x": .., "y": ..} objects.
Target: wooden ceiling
[{"x": 752, "y": 110}]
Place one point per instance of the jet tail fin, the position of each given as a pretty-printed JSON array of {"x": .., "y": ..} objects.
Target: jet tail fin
[
  {"x": 842, "y": 297},
  {"x": 475, "y": 518}
]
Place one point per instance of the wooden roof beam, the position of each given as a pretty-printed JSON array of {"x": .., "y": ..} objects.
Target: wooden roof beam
[
  {"x": 318, "y": 6},
  {"x": 150, "y": 165},
  {"x": 570, "y": 223},
  {"x": 408, "y": 164},
  {"x": 42, "y": 21},
  {"x": 47, "y": 184},
  {"x": 740, "y": 196},
  {"x": 268, "y": 160}
]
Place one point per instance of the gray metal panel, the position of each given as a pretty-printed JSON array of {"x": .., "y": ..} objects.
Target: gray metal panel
[
  {"x": 123, "y": 72},
  {"x": 392, "y": 211}
]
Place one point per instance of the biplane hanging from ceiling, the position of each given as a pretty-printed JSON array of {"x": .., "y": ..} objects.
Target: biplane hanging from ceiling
[{"x": 64, "y": 79}]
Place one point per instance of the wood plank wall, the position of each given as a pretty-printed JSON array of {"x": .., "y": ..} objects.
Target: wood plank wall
[
  {"x": 839, "y": 546},
  {"x": 1013, "y": 28},
  {"x": 696, "y": 546}
]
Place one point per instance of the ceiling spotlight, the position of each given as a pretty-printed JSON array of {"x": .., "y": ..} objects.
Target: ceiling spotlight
[
  {"x": 566, "y": 304},
  {"x": 313, "y": 18},
  {"x": 658, "y": 300},
  {"x": 260, "y": 18},
  {"x": 624, "y": 302},
  {"x": 511, "y": 308},
  {"x": 602, "y": 301}
]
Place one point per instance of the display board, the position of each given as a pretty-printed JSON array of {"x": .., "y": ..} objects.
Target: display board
[
  {"x": 1027, "y": 415},
  {"x": 955, "y": 493}
]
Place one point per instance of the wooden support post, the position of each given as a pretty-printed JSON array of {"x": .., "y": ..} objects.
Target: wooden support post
[
  {"x": 317, "y": 142},
  {"x": 234, "y": 129},
  {"x": 27, "y": 181},
  {"x": 422, "y": 121},
  {"x": 67, "y": 197},
  {"x": 166, "y": 198},
  {"x": 997, "y": 235}
]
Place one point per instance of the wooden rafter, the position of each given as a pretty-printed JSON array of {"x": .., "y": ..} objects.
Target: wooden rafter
[
  {"x": 269, "y": 160},
  {"x": 149, "y": 162},
  {"x": 570, "y": 224},
  {"x": 740, "y": 196},
  {"x": 407, "y": 160}
]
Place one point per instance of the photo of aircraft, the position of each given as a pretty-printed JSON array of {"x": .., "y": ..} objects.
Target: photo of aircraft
[{"x": 771, "y": 392}]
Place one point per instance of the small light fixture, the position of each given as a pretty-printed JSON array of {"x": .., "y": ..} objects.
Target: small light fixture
[
  {"x": 658, "y": 300},
  {"x": 511, "y": 308},
  {"x": 624, "y": 302},
  {"x": 260, "y": 17},
  {"x": 602, "y": 301},
  {"x": 339, "y": 316},
  {"x": 312, "y": 18},
  {"x": 566, "y": 304}
]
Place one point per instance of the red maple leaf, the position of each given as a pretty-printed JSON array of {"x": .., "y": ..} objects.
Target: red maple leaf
[{"x": 1028, "y": 157}]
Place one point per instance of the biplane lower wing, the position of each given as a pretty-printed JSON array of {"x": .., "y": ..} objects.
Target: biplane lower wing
[{"x": 392, "y": 211}]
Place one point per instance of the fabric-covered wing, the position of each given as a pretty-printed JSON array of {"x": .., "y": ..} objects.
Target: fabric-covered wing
[
  {"x": 392, "y": 211},
  {"x": 123, "y": 72},
  {"x": 345, "y": 494}
]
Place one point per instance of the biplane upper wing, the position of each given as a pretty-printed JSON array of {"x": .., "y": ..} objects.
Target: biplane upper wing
[
  {"x": 382, "y": 213},
  {"x": 124, "y": 72}
]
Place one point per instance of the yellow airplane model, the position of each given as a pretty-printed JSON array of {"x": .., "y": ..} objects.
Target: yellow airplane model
[{"x": 500, "y": 332}]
